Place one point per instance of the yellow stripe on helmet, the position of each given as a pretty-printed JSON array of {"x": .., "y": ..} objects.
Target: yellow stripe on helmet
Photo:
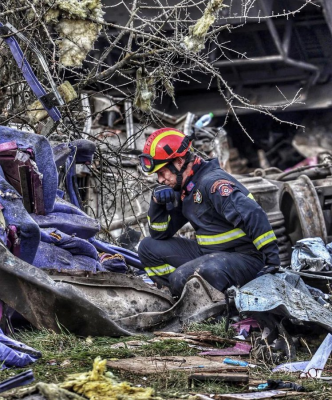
[{"x": 161, "y": 136}]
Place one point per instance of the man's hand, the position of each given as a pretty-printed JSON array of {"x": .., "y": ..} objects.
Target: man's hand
[
  {"x": 268, "y": 269},
  {"x": 163, "y": 194}
]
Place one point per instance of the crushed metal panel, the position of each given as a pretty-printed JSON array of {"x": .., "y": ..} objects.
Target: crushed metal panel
[
  {"x": 90, "y": 305},
  {"x": 198, "y": 301},
  {"x": 46, "y": 303},
  {"x": 282, "y": 294},
  {"x": 120, "y": 295}
]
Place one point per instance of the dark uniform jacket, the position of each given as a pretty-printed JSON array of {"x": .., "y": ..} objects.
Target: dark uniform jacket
[{"x": 223, "y": 213}]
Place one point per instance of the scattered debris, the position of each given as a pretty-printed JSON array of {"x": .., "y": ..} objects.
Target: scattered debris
[
  {"x": 237, "y": 350},
  {"x": 279, "y": 294}
]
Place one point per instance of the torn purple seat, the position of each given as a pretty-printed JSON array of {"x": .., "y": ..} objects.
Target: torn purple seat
[
  {"x": 80, "y": 225},
  {"x": 15, "y": 354},
  {"x": 40, "y": 151},
  {"x": 84, "y": 151},
  {"x": 56, "y": 258},
  {"x": 22, "y": 231},
  {"x": 73, "y": 244},
  {"x": 60, "y": 153},
  {"x": 87, "y": 264},
  {"x": 64, "y": 206},
  {"x": 79, "y": 151},
  {"x": 130, "y": 257},
  {"x": 113, "y": 263},
  {"x": 19, "y": 169}
]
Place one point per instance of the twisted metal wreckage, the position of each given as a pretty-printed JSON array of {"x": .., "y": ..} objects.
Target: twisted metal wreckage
[
  {"x": 54, "y": 271},
  {"x": 55, "y": 198}
]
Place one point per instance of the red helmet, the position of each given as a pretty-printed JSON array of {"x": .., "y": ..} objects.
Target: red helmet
[{"x": 161, "y": 147}]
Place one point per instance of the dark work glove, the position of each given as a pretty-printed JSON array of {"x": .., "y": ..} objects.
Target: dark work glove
[
  {"x": 268, "y": 269},
  {"x": 164, "y": 195}
]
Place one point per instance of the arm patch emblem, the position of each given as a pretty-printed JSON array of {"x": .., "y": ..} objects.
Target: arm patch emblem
[{"x": 224, "y": 187}]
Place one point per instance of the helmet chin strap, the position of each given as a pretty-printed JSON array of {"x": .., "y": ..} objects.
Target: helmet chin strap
[{"x": 179, "y": 173}]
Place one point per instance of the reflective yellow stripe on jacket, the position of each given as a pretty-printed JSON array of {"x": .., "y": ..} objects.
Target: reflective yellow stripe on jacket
[
  {"x": 159, "y": 226},
  {"x": 264, "y": 239},
  {"x": 160, "y": 270},
  {"x": 220, "y": 237}
]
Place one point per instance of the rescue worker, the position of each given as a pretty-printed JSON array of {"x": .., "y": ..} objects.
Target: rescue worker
[{"x": 234, "y": 239}]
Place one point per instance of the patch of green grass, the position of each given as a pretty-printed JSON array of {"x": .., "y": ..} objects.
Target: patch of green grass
[
  {"x": 216, "y": 328},
  {"x": 167, "y": 347},
  {"x": 66, "y": 353}
]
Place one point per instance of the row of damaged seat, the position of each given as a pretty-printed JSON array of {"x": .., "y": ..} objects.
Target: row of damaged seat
[
  {"x": 82, "y": 292},
  {"x": 37, "y": 224}
]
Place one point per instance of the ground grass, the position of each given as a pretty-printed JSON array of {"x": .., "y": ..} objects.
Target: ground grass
[{"x": 66, "y": 353}]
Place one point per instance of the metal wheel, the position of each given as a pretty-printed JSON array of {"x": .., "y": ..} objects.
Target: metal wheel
[{"x": 302, "y": 211}]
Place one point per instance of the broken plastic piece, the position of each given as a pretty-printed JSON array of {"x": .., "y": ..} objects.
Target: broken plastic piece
[
  {"x": 238, "y": 349},
  {"x": 246, "y": 324},
  {"x": 298, "y": 366},
  {"x": 240, "y": 363},
  {"x": 315, "y": 367},
  {"x": 24, "y": 378}
]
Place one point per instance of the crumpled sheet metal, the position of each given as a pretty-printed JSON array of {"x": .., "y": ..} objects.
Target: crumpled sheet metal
[
  {"x": 282, "y": 294},
  {"x": 46, "y": 303},
  {"x": 119, "y": 295},
  {"x": 198, "y": 301},
  {"x": 311, "y": 254},
  {"x": 105, "y": 304}
]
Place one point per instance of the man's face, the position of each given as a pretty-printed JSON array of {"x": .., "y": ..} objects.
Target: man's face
[{"x": 166, "y": 177}]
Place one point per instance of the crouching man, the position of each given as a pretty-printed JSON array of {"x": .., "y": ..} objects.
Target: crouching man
[{"x": 234, "y": 239}]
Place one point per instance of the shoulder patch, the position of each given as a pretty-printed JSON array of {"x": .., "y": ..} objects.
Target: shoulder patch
[
  {"x": 225, "y": 189},
  {"x": 220, "y": 182}
]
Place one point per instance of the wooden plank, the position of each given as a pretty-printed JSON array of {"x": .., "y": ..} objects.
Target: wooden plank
[{"x": 153, "y": 365}]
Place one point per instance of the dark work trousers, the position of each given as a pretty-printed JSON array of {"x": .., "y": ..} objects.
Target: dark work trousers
[{"x": 221, "y": 270}]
